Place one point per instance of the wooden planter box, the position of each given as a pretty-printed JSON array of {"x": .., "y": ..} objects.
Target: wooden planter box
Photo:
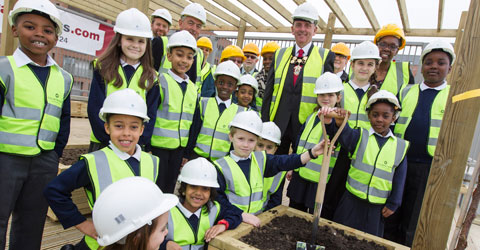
[{"x": 229, "y": 240}]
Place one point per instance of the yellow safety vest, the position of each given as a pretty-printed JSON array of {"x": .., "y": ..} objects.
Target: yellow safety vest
[
  {"x": 31, "y": 112},
  {"x": 350, "y": 102},
  {"x": 270, "y": 186},
  {"x": 175, "y": 114},
  {"x": 311, "y": 72},
  {"x": 409, "y": 99}
]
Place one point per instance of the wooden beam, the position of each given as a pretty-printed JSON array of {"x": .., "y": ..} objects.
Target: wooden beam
[
  {"x": 456, "y": 134},
  {"x": 339, "y": 13},
  {"x": 141, "y": 5},
  {"x": 280, "y": 9},
  {"x": 175, "y": 16},
  {"x": 402, "y": 8},
  {"x": 101, "y": 5},
  {"x": 441, "y": 4},
  {"x": 241, "y": 33},
  {"x": 261, "y": 12},
  {"x": 458, "y": 39},
  {"x": 321, "y": 24},
  {"x": 91, "y": 9},
  {"x": 8, "y": 45},
  {"x": 210, "y": 18},
  {"x": 239, "y": 12},
  {"x": 327, "y": 42},
  {"x": 217, "y": 11},
  {"x": 367, "y": 9}
]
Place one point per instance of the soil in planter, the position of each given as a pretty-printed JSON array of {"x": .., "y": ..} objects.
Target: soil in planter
[
  {"x": 283, "y": 233},
  {"x": 70, "y": 156}
]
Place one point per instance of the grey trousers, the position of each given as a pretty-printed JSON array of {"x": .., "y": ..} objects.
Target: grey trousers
[{"x": 22, "y": 180}]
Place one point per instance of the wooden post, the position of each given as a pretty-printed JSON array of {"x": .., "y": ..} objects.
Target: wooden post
[
  {"x": 8, "y": 41},
  {"x": 241, "y": 33},
  {"x": 458, "y": 39},
  {"x": 455, "y": 139},
  {"x": 141, "y": 5},
  {"x": 327, "y": 42}
]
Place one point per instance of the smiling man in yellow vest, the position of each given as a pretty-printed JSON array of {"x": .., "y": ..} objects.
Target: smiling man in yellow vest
[{"x": 289, "y": 96}]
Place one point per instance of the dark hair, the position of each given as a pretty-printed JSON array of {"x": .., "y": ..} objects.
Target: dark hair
[
  {"x": 109, "y": 115},
  {"x": 135, "y": 240},
  {"x": 109, "y": 61},
  {"x": 183, "y": 188}
]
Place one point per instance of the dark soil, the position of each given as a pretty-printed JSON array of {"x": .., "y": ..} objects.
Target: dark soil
[
  {"x": 284, "y": 232},
  {"x": 71, "y": 156}
]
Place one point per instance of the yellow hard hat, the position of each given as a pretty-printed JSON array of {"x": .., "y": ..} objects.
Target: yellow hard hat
[
  {"x": 391, "y": 30},
  {"x": 342, "y": 49},
  {"x": 270, "y": 47},
  {"x": 204, "y": 42},
  {"x": 232, "y": 51},
  {"x": 251, "y": 48}
]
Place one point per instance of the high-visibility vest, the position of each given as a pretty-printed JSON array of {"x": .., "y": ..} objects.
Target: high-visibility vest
[
  {"x": 372, "y": 169},
  {"x": 409, "y": 99},
  {"x": 181, "y": 232},
  {"x": 246, "y": 195},
  {"x": 165, "y": 65},
  {"x": 311, "y": 72},
  {"x": 213, "y": 141},
  {"x": 206, "y": 70},
  {"x": 132, "y": 84},
  {"x": 271, "y": 185},
  {"x": 175, "y": 114},
  {"x": 31, "y": 112},
  {"x": 358, "y": 117},
  {"x": 105, "y": 167},
  {"x": 310, "y": 137}
]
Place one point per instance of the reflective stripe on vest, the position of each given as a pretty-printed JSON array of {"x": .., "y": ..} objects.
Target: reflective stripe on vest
[
  {"x": 175, "y": 114},
  {"x": 308, "y": 101},
  {"x": 213, "y": 141},
  {"x": 358, "y": 117},
  {"x": 409, "y": 99},
  {"x": 246, "y": 195},
  {"x": 310, "y": 137},
  {"x": 165, "y": 64},
  {"x": 271, "y": 185},
  {"x": 206, "y": 70},
  {"x": 397, "y": 77},
  {"x": 31, "y": 112},
  {"x": 372, "y": 169},
  {"x": 181, "y": 232}
]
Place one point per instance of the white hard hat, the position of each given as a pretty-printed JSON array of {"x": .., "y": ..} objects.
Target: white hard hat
[
  {"x": 365, "y": 50},
  {"x": 127, "y": 205},
  {"x": 133, "y": 22},
  {"x": 384, "y": 95},
  {"x": 228, "y": 68},
  {"x": 249, "y": 80},
  {"x": 124, "y": 102},
  {"x": 195, "y": 10},
  {"x": 438, "y": 45},
  {"x": 43, "y": 6},
  {"x": 199, "y": 172},
  {"x": 164, "y": 14},
  {"x": 182, "y": 39},
  {"x": 248, "y": 121},
  {"x": 271, "y": 132},
  {"x": 328, "y": 83},
  {"x": 307, "y": 12}
]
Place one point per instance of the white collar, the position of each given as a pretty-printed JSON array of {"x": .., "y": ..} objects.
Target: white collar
[
  {"x": 238, "y": 158},
  {"x": 371, "y": 132},
  {"x": 124, "y": 156},
  {"x": 123, "y": 63},
  {"x": 177, "y": 78},
  {"x": 339, "y": 74},
  {"x": 227, "y": 102},
  {"x": 306, "y": 48},
  {"x": 424, "y": 86},
  {"x": 21, "y": 59},
  {"x": 355, "y": 86},
  {"x": 243, "y": 72},
  {"x": 187, "y": 213}
]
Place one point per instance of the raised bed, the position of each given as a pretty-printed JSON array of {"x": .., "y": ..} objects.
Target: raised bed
[{"x": 230, "y": 240}]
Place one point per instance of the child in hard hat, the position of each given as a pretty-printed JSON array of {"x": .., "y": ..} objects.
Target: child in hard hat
[
  {"x": 177, "y": 105},
  {"x": 126, "y": 63},
  {"x": 34, "y": 121},
  {"x": 198, "y": 214},
  {"x": 304, "y": 181},
  {"x": 233, "y": 53},
  {"x": 241, "y": 173},
  {"x": 377, "y": 173},
  {"x": 251, "y": 52},
  {"x": 132, "y": 213},
  {"x": 269, "y": 141},
  {"x": 268, "y": 53},
  {"x": 207, "y": 88},
  {"x": 342, "y": 55},
  {"x": 390, "y": 75},
  {"x": 209, "y": 133},
  {"x": 246, "y": 92},
  {"x": 423, "y": 106},
  {"x": 124, "y": 113}
]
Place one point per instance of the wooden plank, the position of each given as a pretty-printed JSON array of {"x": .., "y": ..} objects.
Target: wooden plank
[
  {"x": 402, "y": 8},
  {"x": 441, "y": 4},
  {"x": 211, "y": 19},
  {"x": 7, "y": 46},
  {"x": 141, "y": 5},
  {"x": 321, "y": 24},
  {"x": 454, "y": 141},
  {"x": 217, "y": 11},
  {"x": 241, "y": 33},
  {"x": 327, "y": 42},
  {"x": 339, "y": 13},
  {"x": 261, "y": 12},
  {"x": 102, "y": 6},
  {"x": 367, "y": 9},
  {"x": 175, "y": 16},
  {"x": 91, "y": 9},
  {"x": 280, "y": 9},
  {"x": 239, "y": 12},
  {"x": 78, "y": 109},
  {"x": 458, "y": 39}
]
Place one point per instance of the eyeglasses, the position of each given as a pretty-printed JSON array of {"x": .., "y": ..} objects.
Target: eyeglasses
[
  {"x": 386, "y": 45},
  {"x": 236, "y": 60},
  {"x": 251, "y": 56}
]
